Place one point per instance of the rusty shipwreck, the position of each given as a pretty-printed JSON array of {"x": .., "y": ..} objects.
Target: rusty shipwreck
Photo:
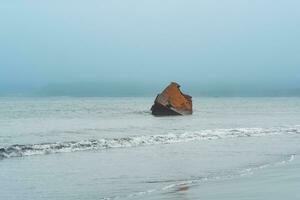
[{"x": 172, "y": 102}]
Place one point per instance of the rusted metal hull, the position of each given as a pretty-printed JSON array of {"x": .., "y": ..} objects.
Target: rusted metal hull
[{"x": 172, "y": 102}]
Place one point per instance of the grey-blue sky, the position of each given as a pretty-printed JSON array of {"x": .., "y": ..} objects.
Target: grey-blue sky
[{"x": 206, "y": 42}]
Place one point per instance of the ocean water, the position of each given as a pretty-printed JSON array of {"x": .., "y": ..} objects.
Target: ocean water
[{"x": 113, "y": 148}]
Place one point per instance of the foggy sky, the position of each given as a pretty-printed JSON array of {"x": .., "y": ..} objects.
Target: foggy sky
[{"x": 208, "y": 42}]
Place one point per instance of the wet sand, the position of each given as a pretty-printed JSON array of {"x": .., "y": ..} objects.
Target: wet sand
[{"x": 274, "y": 182}]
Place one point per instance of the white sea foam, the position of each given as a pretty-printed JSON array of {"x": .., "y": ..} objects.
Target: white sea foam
[{"x": 134, "y": 141}]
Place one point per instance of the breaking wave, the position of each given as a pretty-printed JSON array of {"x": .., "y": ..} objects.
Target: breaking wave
[{"x": 19, "y": 150}]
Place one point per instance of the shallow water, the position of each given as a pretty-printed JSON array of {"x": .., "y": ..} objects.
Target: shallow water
[{"x": 113, "y": 148}]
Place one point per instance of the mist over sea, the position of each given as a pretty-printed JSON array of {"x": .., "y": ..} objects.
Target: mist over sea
[
  {"x": 113, "y": 148},
  {"x": 142, "y": 89},
  {"x": 78, "y": 79}
]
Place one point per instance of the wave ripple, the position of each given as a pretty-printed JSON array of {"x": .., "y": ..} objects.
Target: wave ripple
[{"x": 19, "y": 150}]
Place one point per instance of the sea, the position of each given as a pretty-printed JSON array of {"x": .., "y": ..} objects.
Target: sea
[{"x": 106, "y": 148}]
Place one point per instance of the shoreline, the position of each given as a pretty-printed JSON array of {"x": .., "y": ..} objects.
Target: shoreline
[{"x": 276, "y": 182}]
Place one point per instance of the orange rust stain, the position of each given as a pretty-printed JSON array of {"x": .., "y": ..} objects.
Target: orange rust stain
[{"x": 172, "y": 96}]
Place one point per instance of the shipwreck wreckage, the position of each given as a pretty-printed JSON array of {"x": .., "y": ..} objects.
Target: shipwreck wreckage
[{"x": 172, "y": 102}]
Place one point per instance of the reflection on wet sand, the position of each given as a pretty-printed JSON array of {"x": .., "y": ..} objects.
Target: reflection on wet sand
[{"x": 182, "y": 188}]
